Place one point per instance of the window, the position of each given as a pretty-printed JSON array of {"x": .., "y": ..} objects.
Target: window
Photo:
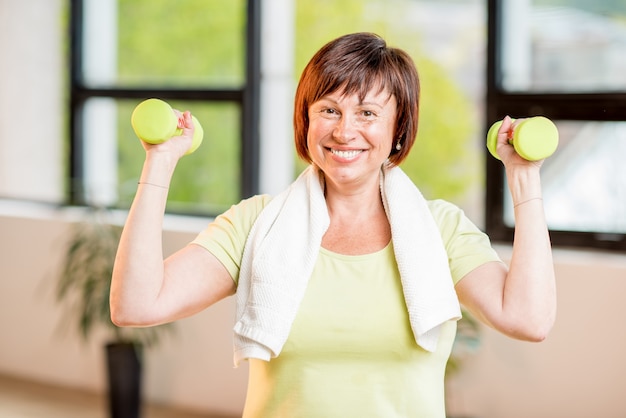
[
  {"x": 200, "y": 55},
  {"x": 563, "y": 60}
]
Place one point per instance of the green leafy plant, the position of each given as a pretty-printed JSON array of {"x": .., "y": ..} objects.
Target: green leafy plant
[
  {"x": 85, "y": 282},
  {"x": 466, "y": 342}
]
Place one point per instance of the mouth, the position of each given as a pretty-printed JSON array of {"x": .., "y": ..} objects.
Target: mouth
[{"x": 346, "y": 154}]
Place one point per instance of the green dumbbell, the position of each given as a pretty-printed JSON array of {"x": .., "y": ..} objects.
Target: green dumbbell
[
  {"x": 154, "y": 122},
  {"x": 534, "y": 139}
]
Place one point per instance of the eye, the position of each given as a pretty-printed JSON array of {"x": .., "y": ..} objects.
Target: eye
[
  {"x": 328, "y": 112},
  {"x": 367, "y": 115}
]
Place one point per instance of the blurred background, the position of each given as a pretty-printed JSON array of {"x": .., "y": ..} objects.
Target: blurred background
[{"x": 72, "y": 71}]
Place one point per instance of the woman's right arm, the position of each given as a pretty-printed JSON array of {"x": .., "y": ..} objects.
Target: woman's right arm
[{"x": 147, "y": 289}]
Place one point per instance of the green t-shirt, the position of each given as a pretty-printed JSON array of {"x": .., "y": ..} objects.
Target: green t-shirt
[{"x": 351, "y": 351}]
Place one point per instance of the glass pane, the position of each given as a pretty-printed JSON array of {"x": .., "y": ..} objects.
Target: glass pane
[
  {"x": 584, "y": 181},
  {"x": 206, "y": 181},
  {"x": 563, "y": 46},
  {"x": 178, "y": 43}
]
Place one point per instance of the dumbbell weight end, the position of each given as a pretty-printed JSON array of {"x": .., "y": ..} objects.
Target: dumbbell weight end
[
  {"x": 154, "y": 122},
  {"x": 534, "y": 139}
]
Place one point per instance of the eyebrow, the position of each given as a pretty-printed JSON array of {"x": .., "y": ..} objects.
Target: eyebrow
[
  {"x": 373, "y": 103},
  {"x": 366, "y": 103}
]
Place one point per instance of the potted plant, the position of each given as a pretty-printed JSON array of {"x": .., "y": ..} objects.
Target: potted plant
[
  {"x": 83, "y": 287},
  {"x": 466, "y": 342}
]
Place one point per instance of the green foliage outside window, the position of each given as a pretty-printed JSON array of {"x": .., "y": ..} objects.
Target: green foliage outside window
[
  {"x": 202, "y": 43},
  {"x": 185, "y": 43},
  {"x": 181, "y": 43}
]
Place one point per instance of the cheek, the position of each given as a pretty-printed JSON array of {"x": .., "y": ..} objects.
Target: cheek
[
  {"x": 317, "y": 130},
  {"x": 386, "y": 137},
  {"x": 311, "y": 143}
]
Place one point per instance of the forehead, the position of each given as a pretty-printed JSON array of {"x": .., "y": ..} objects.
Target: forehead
[{"x": 377, "y": 95}]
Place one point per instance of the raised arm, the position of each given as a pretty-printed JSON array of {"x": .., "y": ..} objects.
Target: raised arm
[
  {"x": 145, "y": 288},
  {"x": 520, "y": 302}
]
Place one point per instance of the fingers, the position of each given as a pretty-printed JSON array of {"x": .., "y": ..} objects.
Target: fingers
[
  {"x": 184, "y": 119},
  {"x": 505, "y": 146},
  {"x": 504, "y": 137},
  {"x": 181, "y": 141},
  {"x": 505, "y": 133}
]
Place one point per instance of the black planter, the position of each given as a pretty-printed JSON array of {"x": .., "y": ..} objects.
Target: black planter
[{"x": 124, "y": 378}]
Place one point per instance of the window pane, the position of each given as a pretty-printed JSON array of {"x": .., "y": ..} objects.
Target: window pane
[
  {"x": 173, "y": 43},
  {"x": 206, "y": 181},
  {"x": 563, "y": 46},
  {"x": 584, "y": 181}
]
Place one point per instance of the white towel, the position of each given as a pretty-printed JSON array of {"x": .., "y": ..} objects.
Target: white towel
[{"x": 283, "y": 246}]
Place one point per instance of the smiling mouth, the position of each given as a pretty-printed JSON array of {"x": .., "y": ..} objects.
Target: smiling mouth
[{"x": 349, "y": 154}]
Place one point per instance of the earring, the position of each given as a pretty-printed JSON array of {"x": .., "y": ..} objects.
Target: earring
[{"x": 398, "y": 146}]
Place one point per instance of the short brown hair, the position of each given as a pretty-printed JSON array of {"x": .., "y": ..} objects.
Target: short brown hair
[{"x": 356, "y": 63}]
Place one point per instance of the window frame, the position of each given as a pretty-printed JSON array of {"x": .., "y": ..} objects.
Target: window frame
[
  {"x": 247, "y": 98},
  {"x": 556, "y": 106}
]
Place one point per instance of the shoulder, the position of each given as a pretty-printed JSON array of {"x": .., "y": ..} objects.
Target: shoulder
[
  {"x": 439, "y": 206},
  {"x": 452, "y": 221},
  {"x": 226, "y": 235},
  {"x": 466, "y": 245},
  {"x": 234, "y": 224},
  {"x": 447, "y": 215},
  {"x": 241, "y": 216},
  {"x": 248, "y": 209}
]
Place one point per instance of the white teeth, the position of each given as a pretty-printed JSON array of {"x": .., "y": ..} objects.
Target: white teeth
[{"x": 346, "y": 154}]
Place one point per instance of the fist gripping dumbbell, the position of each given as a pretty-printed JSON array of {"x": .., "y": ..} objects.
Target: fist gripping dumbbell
[
  {"x": 154, "y": 122},
  {"x": 534, "y": 139}
]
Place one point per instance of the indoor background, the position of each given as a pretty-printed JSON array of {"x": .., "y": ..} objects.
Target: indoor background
[{"x": 578, "y": 372}]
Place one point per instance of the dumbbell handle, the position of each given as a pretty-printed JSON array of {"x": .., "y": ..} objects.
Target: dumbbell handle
[
  {"x": 154, "y": 122},
  {"x": 534, "y": 138}
]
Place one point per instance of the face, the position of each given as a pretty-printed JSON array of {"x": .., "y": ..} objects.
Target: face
[{"x": 349, "y": 139}]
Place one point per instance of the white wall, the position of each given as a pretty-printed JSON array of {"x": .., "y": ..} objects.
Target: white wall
[{"x": 31, "y": 99}]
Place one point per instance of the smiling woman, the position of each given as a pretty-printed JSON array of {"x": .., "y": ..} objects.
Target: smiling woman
[{"x": 349, "y": 282}]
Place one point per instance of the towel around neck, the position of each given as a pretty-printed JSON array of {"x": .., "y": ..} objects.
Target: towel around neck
[{"x": 282, "y": 249}]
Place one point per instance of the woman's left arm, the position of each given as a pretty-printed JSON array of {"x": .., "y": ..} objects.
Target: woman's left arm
[{"x": 521, "y": 301}]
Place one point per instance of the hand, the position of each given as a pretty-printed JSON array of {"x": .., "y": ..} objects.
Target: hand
[
  {"x": 178, "y": 145},
  {"x": 505, "y": 149}
]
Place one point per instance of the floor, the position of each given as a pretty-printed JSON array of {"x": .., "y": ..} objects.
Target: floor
[{"x": 24, "y": 399}]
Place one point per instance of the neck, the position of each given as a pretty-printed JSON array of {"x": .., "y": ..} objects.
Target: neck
[{"x": 352, "y": 201}]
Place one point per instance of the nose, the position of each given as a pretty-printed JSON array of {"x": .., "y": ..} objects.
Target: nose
[{"x": 345, "y": 129}]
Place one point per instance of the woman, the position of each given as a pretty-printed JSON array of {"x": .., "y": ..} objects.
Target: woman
[{"x": 349, "y": 283}]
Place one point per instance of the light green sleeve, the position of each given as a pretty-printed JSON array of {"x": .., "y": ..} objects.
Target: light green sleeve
[
  {"x": 467, "y": 246},
  {"x": 226, "y": 236}
]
